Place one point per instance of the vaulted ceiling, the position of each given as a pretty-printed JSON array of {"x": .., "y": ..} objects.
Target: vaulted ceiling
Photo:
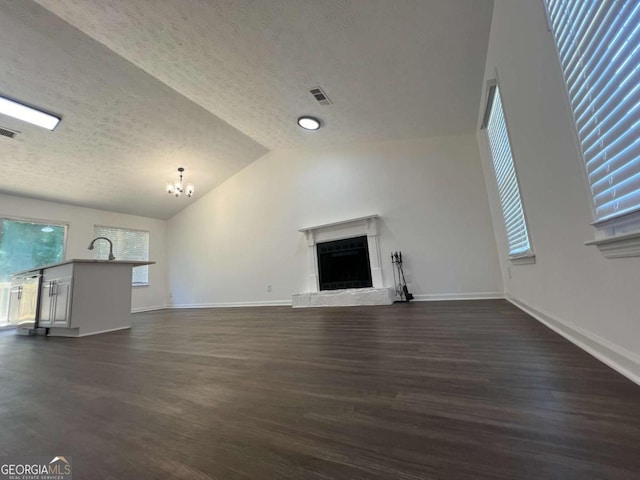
[{"x": 147, "y": 86}]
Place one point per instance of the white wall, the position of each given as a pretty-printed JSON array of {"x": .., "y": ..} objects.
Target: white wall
[
  {"x": 572, "y": 287},
  {"x": 80, "y": 233},
  {"x": 233, "y": 242}
]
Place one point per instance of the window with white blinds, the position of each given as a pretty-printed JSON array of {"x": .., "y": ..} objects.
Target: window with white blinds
[
  {"x": 505, "y": 172},
  {"x": 598, "y": 44},
  {"x": 128, "y": 244}
]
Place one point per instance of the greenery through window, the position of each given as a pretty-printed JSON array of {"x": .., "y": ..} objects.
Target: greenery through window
[{"x": 26, "y": 245}]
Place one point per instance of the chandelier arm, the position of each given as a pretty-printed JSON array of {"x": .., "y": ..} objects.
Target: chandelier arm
[{"x": 178, "y": 188}]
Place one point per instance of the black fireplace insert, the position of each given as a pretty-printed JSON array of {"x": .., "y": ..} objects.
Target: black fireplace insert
[{"x": 344, "y": 264}]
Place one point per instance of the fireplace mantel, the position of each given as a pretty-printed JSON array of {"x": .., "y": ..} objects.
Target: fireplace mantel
[
  {"x": 342, "y": 223},
  {"x": 355, "y": 227}
]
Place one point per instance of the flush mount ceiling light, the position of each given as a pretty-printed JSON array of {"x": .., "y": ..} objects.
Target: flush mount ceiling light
[
  {"x": 178, "y": 189},
  {"x": 27, "y": 114},
  {"x": 309, "y": 123}
]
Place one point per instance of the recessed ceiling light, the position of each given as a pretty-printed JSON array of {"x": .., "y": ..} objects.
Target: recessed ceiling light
[
  {"x": 27, "y": 114},
  {"x": 309, "y": 123}
]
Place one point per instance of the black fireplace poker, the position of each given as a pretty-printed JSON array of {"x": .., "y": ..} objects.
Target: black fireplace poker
[{"x": 401, "y": 286}]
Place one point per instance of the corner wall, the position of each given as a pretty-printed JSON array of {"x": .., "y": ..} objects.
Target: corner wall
[
  {"x": 81, "y": 221},
  {"x": 591, "y": 300},
  {"x": 231, "y": 244}
]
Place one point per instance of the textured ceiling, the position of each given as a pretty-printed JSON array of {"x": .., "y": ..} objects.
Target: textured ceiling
[
  {"x": 209, "y": 84},
  {"x": 123, "y": 133}
]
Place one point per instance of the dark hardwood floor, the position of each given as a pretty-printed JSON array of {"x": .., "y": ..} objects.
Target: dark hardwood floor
[{"x": 442, "y": 390}]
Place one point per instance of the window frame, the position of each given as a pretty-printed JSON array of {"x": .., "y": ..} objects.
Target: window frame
[
  {"x": 492, "y": 88},
  {"x": 57, "y": 223},
  {"x": 128, "y": 229},
  {"x": 617, "y": 236},
  {"x": 41, "y": 221}
]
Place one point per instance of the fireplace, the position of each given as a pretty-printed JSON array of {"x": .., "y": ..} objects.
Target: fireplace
[{"x": 344, "y": 264}]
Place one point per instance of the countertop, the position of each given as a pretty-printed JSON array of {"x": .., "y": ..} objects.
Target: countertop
[{"x": 133, "y": 263}]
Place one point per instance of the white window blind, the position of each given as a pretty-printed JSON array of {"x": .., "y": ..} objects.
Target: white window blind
[
  {"x": 127, "y": 245},
  {"x": 500, "y": 148},
  {"x": 598, "y": 44}
]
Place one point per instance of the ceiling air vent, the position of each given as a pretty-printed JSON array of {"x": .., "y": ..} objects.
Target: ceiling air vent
[
  {"x": 5, "y": 132},
  {"x": 320, "y": 96}
]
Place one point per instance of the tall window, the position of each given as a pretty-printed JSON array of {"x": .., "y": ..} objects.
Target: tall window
[
  {"x": 505, "y": 172},
  {"x": 128, "y": 244},
  {"x": 598, "y": 44},
  {"x": 26, "y": 245}
]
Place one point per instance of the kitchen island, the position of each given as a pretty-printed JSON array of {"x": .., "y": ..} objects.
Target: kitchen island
[{"x": 79, "y": 297}]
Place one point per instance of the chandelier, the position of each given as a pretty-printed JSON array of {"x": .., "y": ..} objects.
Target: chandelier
[{"x": 178, "y": 188}]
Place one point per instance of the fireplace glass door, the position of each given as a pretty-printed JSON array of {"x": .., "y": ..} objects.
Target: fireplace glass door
[{"x": 344, "y": 264}]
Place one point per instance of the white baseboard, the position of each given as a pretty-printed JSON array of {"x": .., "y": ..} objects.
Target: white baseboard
[
  {"x": 267, "y": 303},
  {"x": 148, "y": 309},
  {"x": 435, "y": 297},
  {"x": 287, "y": 303},
  {"x": 616, "y": 357},
  {"x": 105, "y": 331}
]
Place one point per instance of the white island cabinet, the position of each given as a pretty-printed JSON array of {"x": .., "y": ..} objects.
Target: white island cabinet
[
  {"x": 85, "y": 297},
  {"x": 55, "y": 297}
]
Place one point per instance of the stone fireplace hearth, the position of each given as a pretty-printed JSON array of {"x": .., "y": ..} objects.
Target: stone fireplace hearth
[{"x": 338, "y": 254}]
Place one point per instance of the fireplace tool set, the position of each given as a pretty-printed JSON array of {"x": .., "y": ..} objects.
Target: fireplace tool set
[{"x": 401, "y": 286}]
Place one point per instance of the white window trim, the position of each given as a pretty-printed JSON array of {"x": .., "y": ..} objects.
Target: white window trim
[
  {"x": 620, "y": 246},
  {"x": 528, "y": 258},
  {"x": 616, "y": 237}
]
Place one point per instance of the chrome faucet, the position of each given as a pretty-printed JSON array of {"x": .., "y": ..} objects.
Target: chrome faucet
[{"x": 111, "y": 257}]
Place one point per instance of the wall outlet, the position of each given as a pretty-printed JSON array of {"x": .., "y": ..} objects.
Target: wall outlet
[{"x": 268, "y": 288}]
